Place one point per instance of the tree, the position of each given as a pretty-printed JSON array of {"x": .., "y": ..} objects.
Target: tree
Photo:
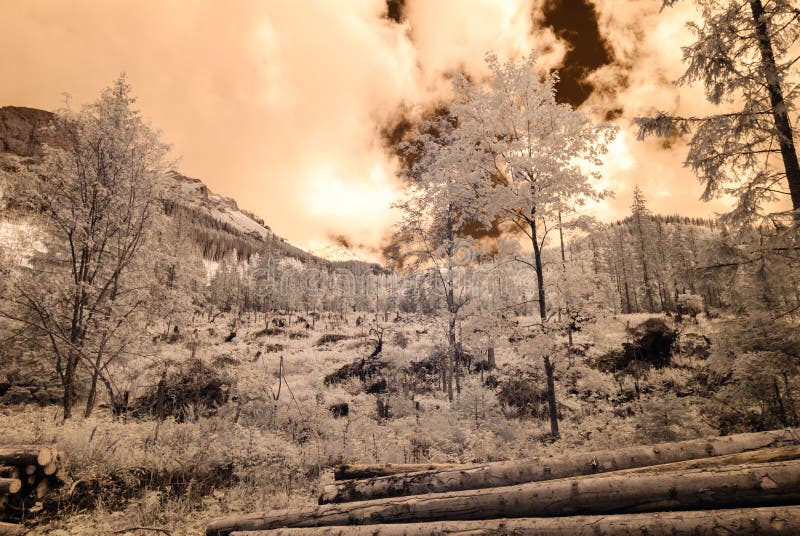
[
  {"x": 536, "y": 153},
  {"x": 445, "y": 197},
  {"x": 744, "y": 53},
  {"x": 98, "y": 195},
  {"x": 641, "y": 225}
]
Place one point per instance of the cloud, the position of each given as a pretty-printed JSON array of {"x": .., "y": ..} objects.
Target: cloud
[
  {"x": 645, "y": 44},
  {"x": 277, "y": 104},
  {"x": 281, "y": 104}
]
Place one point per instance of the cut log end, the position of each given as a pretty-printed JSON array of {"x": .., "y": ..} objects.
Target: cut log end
[
  {"x": 46, "y": 456},
  {"x": 10, "y": 486}
]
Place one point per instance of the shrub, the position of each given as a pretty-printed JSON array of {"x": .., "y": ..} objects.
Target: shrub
[
  {"x": 191, "y": 391},
  {"x": 650, "y": 345},
  {"x": 329, "y": 338}
]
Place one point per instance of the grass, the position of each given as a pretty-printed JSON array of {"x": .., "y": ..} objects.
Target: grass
[{"x": 280, "y": 448}]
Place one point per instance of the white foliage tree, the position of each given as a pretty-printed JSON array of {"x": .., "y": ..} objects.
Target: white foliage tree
[
  {"x": 99, "y": 195},
  {"x": 445, "y": 197},
  {"x": 541, "y": 157}
]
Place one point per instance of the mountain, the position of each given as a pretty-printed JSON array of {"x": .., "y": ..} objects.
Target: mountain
[
  {"x": 218, "y": 226},
  {"x": 335, "y": 253}
]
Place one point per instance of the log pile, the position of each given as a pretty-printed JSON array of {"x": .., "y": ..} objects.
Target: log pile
[
  {"x": 742, "y": 484},
  {"x": 27, "y": 473}
]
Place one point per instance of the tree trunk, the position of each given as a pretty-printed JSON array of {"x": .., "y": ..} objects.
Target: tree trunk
[
  {"x": 780, "y": 113},
  {"x": 511, "y": 473},
  {"x": 348, "y": 472},
  {"x": 648, "y": 291},
  {"x": 68, "y": 382},
  {"x": 729, "y": 487},
  {"x": 451, "y": 353},
  {"x": 769, "y": 521},
  {"x": 537, "y": 259},
  {"x": 26, "y": 455},
  {"x": 9, "y": 529},
  {"x": 551, "y": 396},
  {"x": 564, "y": 272},
  {"x": 92, "y": 396}
]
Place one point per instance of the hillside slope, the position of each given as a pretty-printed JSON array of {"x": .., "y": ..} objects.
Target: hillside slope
[{"x": 219, "y": 225}]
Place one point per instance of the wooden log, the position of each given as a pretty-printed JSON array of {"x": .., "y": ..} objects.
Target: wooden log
[
  {"x": 771, "y": 521},
  {"x": 9, "y": 486},
  {"x": 511, "y": 473},
  {"x": 30, "y": 469},
  {"x": 26, "y": 455},
  {"x": 50, "y": 469},
  {"x": 9, "y": 529},
  {"x": 41, "y": 489},
  {"x": 351, "y": 471},
  {"x": 768, "y": 484}
]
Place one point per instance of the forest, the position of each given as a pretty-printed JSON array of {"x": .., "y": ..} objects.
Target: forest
[{"x": 169, "y": 364}]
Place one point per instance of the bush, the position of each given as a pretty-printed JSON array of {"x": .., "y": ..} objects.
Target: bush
[
  {"x": 193, "y": 390},
  {"x": 650, "y": 346},
  {"x": 329, "y": 338},
  {"x": 755, "y": 371},
  {"x": 524, "y": 391}
]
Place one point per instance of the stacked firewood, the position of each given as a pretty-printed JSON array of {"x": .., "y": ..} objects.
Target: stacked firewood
[
  {"x": 740, "y": 484},
  {"x": 27, "y": 473}
]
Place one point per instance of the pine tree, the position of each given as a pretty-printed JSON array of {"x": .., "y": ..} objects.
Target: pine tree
[
  {"x": 641, "y": 221},
  {"x": 744, "y": 53}
]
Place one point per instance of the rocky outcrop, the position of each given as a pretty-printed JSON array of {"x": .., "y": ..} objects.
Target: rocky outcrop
[{"x": 23, "y": 131}]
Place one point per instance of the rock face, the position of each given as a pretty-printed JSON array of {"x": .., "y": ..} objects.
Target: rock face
[{"x": 23, "y": 131}]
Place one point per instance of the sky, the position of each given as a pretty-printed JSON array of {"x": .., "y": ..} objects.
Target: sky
[{"x": 284, "y": 104}]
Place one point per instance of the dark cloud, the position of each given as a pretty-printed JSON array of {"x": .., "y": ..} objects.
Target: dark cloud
[
  {"x": 575, "y": 22},
  {"x": 340, "y": 240},
  {"x": 614, "y": 113},
  {"x": 394, "y": 10}
]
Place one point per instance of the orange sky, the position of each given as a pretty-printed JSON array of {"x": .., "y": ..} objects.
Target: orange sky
[{"x": 279, "y": 103}]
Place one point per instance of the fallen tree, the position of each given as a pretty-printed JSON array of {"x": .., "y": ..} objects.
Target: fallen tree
[
  {"x": 10, "y": 486},
  {"x": 499, "y": 474},
  {"x": 26, "y": 455},
  {"x": 348, "y": 471},
  {"x": 770, "y": 521},
  {"x": 765, "y": 484},
  {"x": 10, "y": 529}
]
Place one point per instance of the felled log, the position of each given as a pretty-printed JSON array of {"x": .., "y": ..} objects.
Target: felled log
[
  {"x": 771, "y": 521},
  {"x": 50, "y": 469},
  {"x": 766, "y": 484},
  {"x": 347, "y": 471},
  {"x": 9, "y": 529},
  {"x": 498, "y": 474},
  {"x": 9, "y": 486},
  {"x": 26, "y": 455},
  {"x": 41, "y": 489}
]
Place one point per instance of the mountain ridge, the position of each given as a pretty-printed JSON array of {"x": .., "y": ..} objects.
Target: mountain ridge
[{"x": 222, "y": 225}]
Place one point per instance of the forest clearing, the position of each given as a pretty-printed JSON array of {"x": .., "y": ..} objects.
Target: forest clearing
[{"x": 454, "y": 267}]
